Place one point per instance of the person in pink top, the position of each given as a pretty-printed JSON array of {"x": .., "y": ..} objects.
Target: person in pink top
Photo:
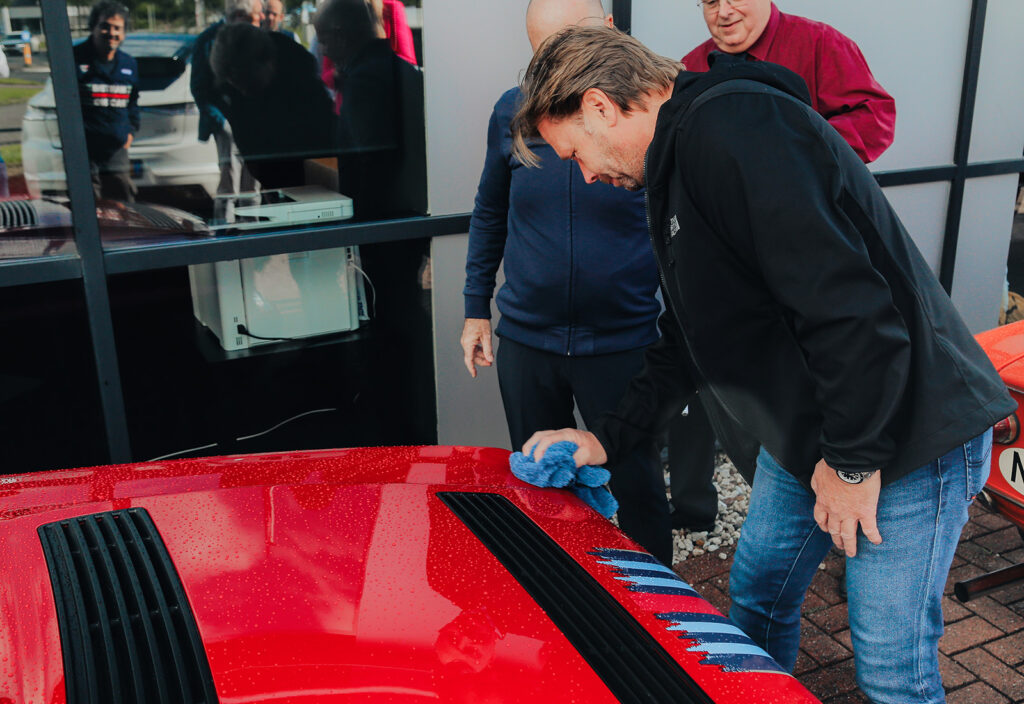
[{"x": 396, "y": 28}]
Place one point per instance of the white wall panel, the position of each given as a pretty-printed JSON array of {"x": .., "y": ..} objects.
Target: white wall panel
[
  {"x": 472, "y": 53},
  {"x": 469, "y": 411},
  {"x": 922, "y": 209},
  {"x": 999, "y": 111},
  {"x": 982, "y": 249},
  {"x": 474, "y": 50}
]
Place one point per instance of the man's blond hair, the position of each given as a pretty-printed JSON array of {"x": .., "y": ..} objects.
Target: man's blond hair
[{"x": 576, "y": 59}]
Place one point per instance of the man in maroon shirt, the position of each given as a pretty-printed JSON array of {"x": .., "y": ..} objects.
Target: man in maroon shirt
[{"x": 844, "y": 92}]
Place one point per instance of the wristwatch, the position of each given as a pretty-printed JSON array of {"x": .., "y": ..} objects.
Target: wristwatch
[{"x": 855, "y": 477}]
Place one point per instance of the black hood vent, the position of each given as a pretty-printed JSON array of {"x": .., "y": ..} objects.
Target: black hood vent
[
  {"x": 634, "y": 666},
  {"x": 126, "y": 628},
  {"x": 17, "y": 213},
  {"x": 157, "y": 217}
]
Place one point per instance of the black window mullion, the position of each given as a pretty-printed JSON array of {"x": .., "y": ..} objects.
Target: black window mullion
[
  {"x": 622, "y": 12},
  {"x": 86, "y": 228},
  {"x": 962, "y": 147}
]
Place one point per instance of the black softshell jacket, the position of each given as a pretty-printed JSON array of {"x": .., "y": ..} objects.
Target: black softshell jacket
[{"x": 797, "y": 303}]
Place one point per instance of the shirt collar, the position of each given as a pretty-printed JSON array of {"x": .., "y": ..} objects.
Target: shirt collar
[{"x": 759, "y": 49}]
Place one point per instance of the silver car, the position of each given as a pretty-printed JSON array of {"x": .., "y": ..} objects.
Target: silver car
[{"x": 165, "y": 152}]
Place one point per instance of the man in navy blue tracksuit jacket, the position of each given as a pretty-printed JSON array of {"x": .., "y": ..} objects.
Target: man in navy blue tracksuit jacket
[
  {"x": 108, "y": 85},
  {"x": 578, "y": 306}
]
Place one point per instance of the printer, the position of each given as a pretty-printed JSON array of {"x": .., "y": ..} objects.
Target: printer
[{"x": 263, "y": 300}]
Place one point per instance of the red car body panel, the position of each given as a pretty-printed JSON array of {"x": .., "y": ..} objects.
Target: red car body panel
[
  {"x": 1005, "y": 347},
  {"x": 339, "y": 575}
]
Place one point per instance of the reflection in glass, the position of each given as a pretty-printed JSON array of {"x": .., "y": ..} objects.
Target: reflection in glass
[
  {"x": 163, "y": 151},
  {"x": 1012, "y": 308},
  {"x": 381, "y": 143},
  {"x": 268, "y": 89},
  {"x": 222, "y": 115},
  {"x": 28, "y": 228},
  {"x": 281, "y": 297},
  {"x": 108, "y": 85}
]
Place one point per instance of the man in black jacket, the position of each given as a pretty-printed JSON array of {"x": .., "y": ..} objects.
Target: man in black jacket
[
  {"x": 798, "y": 301},
  {"x": 260, "y": 79},
  {"x": 108, "y": 85}
]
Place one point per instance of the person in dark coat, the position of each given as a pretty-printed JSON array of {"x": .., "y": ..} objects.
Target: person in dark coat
[
  {"x": 796, "y": 298},
  {"x": 381, "y": 142},
  {"x": 268, "y": 89}
]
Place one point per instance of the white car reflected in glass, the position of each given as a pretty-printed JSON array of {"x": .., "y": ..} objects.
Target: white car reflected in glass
[{"x": 165, "y": 152}]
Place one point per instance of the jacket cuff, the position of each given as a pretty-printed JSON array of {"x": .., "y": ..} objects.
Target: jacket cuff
[{"x": 478, "y": 307}]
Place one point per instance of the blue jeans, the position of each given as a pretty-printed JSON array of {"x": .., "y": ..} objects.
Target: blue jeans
[{"x": 895, "y": 589}]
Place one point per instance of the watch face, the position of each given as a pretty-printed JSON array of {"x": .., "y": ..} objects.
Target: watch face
[{"x": 851, "y": 477}]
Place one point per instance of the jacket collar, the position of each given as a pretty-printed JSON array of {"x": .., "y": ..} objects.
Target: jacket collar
[
  {"x": 759, "y": 49},
  {"x": 689, "y": 85}
]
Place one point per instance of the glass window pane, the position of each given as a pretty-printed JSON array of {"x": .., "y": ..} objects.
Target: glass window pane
[
  {"x": 331, "y": 348},
  {"x": 200, "y": 124},
  {"x": 35, "y": 220},
  {"x": 49, "y": 400}
]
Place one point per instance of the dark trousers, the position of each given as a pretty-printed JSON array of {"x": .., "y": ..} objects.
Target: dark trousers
[
  {"x": 111, "y": 177},
  {"x": 538, "y": 388},
  {"x": 691, "y": 467}
]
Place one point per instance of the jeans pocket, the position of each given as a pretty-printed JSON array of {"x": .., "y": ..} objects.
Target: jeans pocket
[{"x": 978, "y": 461}]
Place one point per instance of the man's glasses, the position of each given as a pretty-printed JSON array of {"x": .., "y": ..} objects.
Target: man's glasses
[{"x": 712, "y": 5}]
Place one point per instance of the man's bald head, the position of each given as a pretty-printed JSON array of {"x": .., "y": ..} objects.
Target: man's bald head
[{"x": 545, "y": 17}]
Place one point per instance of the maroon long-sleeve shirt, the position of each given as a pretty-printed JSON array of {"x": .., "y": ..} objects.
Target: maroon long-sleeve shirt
[{"x": 843, "y": 91}]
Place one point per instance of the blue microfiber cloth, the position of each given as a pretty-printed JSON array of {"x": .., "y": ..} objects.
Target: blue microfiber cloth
[{"x": 558, "y": 469}]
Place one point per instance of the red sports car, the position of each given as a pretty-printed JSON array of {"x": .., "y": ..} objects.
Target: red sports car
[
  {"x": 1004, "y": 491},
  {"x": 377, "y": 575}
]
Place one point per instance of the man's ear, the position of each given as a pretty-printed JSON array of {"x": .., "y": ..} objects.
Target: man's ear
[{"x": 596, "y": 105}]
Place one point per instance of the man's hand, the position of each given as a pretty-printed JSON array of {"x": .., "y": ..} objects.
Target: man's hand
[
  {"x": 589, "y": 447},
  {"x": 840, "y": 507},
  {"x": 131, "y": 137},
  {"x": 476, "y": 344}
]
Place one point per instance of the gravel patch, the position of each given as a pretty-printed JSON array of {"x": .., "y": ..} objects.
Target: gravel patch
[{"x": 733, "y": 500}]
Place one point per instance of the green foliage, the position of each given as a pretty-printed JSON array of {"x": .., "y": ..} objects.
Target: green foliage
[
  {"x": 11, "y": 154},
  {"x": 174, "y": 14},
  {"x": 14, "y": 94}
]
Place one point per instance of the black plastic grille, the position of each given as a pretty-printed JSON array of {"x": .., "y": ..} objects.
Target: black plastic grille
[
  {"x": 17, "y": 213},
  {"x": 157, "y": 217},
  {"x": 634, "y": 666},
  {"x": 126, "y": 629}
]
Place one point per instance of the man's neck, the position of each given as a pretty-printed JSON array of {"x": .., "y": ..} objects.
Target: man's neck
[{"x": 102, "y": 55}]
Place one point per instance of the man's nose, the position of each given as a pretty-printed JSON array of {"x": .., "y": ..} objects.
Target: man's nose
[
  {"x": 725, "y": 10},
  {"x": 588, "y": 175}
]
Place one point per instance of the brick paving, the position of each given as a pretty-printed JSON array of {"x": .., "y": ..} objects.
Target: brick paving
[{"x": 981, "y": 654}]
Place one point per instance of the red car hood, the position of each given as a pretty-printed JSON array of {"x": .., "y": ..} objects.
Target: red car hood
[
  {"x": 1005, "y": 347},
  {"x": 345, "y": 576}
]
